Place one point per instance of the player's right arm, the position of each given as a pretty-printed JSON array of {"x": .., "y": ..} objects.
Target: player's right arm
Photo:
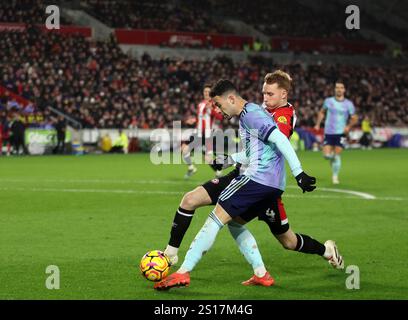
[{"x": 321, "y": 115}]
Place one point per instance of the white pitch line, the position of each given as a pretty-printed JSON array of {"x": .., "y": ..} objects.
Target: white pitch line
[
  {"x": 360, "y": 194},
  {"x": 363, "y": 195},
  {"x": 93, "y": 191},
  {"x": 102, "y": 181},
  {"x": 178, "y": 193}
]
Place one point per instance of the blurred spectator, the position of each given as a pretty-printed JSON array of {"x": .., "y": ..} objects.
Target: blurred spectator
[
  {"x": 367, "y": 137},
  {"x": 61, "y": 128},
  {"x": 17, "y": 135},
  {"x": 120, "y": 145},
  {"x": 257, "y": 45},
  {"x": 106, "y": 143},
  {"x": 158, "y": 15}
]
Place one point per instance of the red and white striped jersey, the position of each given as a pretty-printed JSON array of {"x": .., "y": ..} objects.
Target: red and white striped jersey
[{"x": 206, "y": 115}]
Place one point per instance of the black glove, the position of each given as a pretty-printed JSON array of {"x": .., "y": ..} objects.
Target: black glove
[
  {"x": 305, "y": 182},
  {"x": 222, "y": 161}
]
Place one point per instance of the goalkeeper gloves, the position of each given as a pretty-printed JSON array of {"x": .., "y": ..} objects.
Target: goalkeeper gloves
[
  {"x": 222, "y": 161},
  {"x": 305, "y": 182}
]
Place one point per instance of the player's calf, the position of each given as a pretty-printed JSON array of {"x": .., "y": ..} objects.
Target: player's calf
[
  {"x": 300, "y": 242},
  {"x": 181, "y": 222},
  {"x": 329, "y": 156}
]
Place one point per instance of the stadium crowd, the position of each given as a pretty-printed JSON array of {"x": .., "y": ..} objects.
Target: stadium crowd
[
  {"x": 288, "y": 18},
  {"x": 100, "y": 86},
  {"x": 272, "y": 19},
  {"x": 277, "y": 18},
  {"x": 158, "y": 15},
  {"x": 26, "y": 11}
]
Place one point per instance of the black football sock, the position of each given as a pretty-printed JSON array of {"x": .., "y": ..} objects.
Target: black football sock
[
  {"x": 181, "y": 222},
  {"x": 306, "y": 244}
]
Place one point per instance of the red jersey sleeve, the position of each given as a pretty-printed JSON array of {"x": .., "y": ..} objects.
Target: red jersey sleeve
[
  {"x": 284, "y": 119},
  {"x": 217, "y": 115}
]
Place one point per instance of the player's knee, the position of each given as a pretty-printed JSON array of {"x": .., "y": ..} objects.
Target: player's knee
[
  {"x": 184, "y": 149},
  {"x": 190, "y": 201}
]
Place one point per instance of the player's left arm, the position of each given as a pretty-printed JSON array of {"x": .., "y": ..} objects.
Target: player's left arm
[
  {"x": 267, "y": 131},
  {"x": 304, "y": 181},
  {"x": 353, "y": 118}
]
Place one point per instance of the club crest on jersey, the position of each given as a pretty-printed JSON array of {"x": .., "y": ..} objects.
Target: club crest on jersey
[
  {"x": 282, "y": 119},
  {"x": 215, "y": 181}
]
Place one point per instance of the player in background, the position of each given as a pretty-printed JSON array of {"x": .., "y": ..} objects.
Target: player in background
[
  {"x": 339, "y": 111},
  {"x": 206, "y": 114},
  {"x": 276, "y": 87},
  {"x": 263, "y": 182}
]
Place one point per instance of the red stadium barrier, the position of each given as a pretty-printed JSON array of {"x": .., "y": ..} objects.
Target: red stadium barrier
[
  {"x": 327, "y": 45},
  {"x": 18, "y": 27},
  {"x": 150, "y": 37},
  {"x": 21, "y": 27}
]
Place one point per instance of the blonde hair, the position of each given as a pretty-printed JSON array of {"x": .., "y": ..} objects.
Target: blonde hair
[{"x": 280, "y": 77}]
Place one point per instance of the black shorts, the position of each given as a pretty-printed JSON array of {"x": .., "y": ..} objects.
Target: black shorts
[
  {"x": 271, "y": 211},
  {"x": 214, "y": 187},
  {"x": 336, "y": 140},
  {"x": 274, "y": 215}
]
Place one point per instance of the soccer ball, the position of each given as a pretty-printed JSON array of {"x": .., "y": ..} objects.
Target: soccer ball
[{"x": 155, "y": 265}]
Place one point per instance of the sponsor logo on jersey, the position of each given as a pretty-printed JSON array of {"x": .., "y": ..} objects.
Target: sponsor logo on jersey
[
  {"x": 215, "y": 181},
  {"x": 282, "y": 119}
]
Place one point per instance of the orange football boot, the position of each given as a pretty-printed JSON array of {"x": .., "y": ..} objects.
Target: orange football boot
[
  {"x": 174, "y": 280},
  {"x": 265, "y": 281}
]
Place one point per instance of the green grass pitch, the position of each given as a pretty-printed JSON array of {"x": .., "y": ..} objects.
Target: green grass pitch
[{"x": 95, "y": 216}]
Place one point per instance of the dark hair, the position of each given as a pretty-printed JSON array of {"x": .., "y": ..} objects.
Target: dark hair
[
  {"x": 222, "y": 86},
  {"x": 207, "y": 85},
  {"x": 340, "y": 81}
]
